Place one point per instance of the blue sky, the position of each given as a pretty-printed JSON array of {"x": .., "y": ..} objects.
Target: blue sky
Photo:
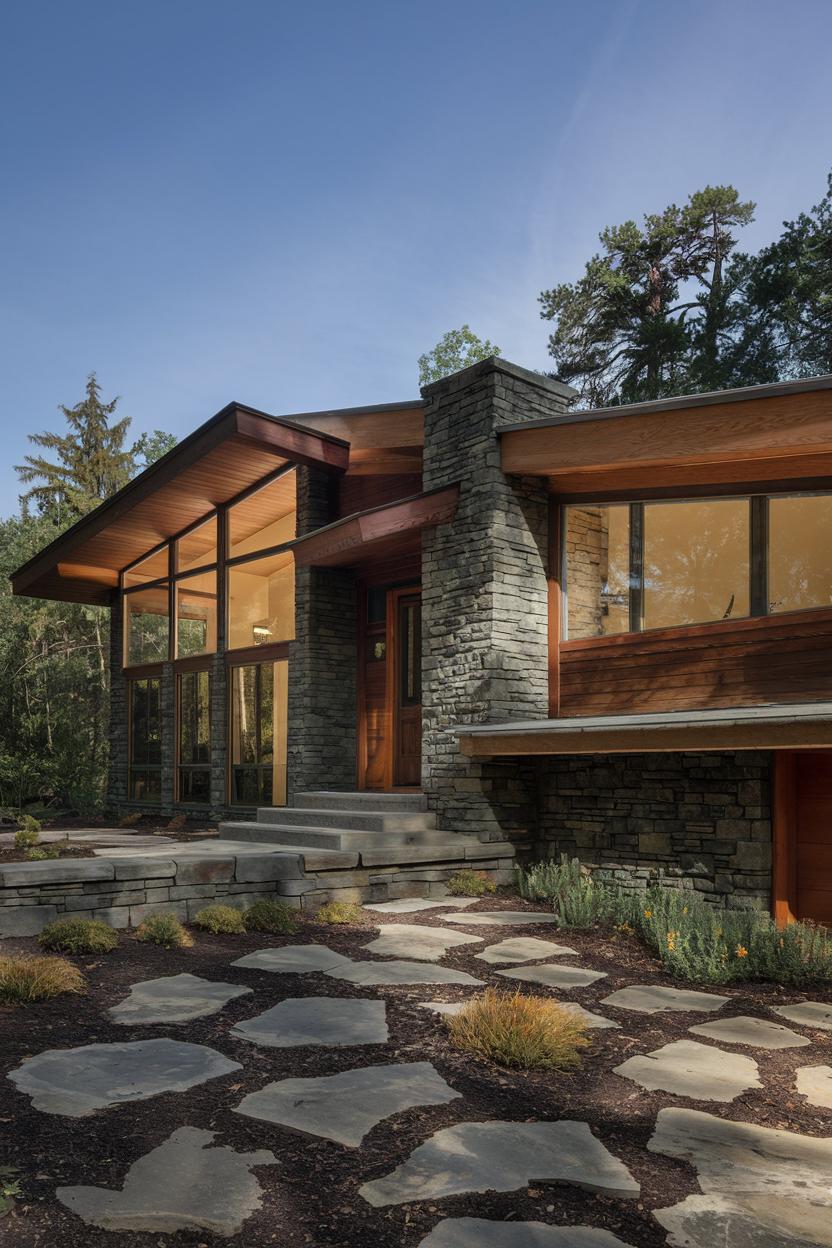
[{"x": 286, "y": 204}]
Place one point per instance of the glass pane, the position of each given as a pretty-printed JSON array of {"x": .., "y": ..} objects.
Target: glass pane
[
  {"x": 198, "y": 547},
  {"x": 194, "y": 785},
  {"x": 265, "y": 519},
  {"x": 410, "y": 653},
  {"x": 146, "y": 626},
  {"x": 696, "y": 562},
  {"x": 244, "y": 715},
  {"x": 800, "y": 553},
  {"x": 196, "y": 614},
  {"x": 145, "y": 785},
  {"x": 194, "y": 717},
  {"x": 597, "y": 549},
  {"x": 259, "y": 708},
  {"x": 153, "y": 568},
  {"x": 146, "y": 721},
  {"x": 261, "y": 601}
]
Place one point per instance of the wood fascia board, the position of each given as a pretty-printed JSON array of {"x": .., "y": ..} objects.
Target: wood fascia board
[
  {"x": 338, "y": 543},
  {"x": 792, "y": 735},
  {"x": 301, "y": 446}
]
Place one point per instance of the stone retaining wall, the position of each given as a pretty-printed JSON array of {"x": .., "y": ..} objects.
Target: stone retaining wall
[
  {"x": 123, "y": 891},
  {"x": 702, "y": 820}
]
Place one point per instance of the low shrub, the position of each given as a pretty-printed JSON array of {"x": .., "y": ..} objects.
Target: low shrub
[
  {"x": 131, "y": 820},
  {"x": 165, "y": 930},
  {"x": 220, "y": 919},
  {"x": 470, "y": 884},
  {"x": 522, "y": 1032},
  {"x": 25, "y": 838},
  {"x": 270, "y": 916},
  {"x": 42, "y": 852},
  {"x": 25, "y": 978},
  {"x": 578, "y": 899},
  {"x": 78, "y": 936},
  {"x": 340, "y": 912},
  {"x": 28, "y": 823}
]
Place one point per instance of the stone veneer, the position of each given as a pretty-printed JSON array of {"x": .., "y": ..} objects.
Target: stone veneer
[
  {"x": 700, "y": 820},
  {"x": 484, "y": 595}
]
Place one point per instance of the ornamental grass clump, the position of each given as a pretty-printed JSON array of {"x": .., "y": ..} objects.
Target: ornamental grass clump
[
  {"x": 164, "y": 930},
  {"x": 220, "y": 920},
  {"x": 270, "y": 916},
  {"x": 339, "y": 913},
  {"x": 78, "y": 936},
  {"x": 578, "y": 899},
  {"x": 470, "y": 884},
  {"x": 518, "y": 1031},
  {"x": 25, "y": 978}
]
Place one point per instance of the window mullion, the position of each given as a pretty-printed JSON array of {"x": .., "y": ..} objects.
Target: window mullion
[
  {"x": 636, "y": 566},
  {"x": 758, "y": 541}
]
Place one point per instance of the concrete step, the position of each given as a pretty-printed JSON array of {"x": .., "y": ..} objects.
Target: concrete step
[
  {"x": 345, "y": 839},
  {"x": 328, "y": 799},
  {"x": 348, "y": 820}
]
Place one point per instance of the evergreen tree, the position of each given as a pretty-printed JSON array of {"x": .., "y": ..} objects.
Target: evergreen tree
[
  {"x": 655, "y": 310},
  {"x": 92, "y": 461},
  {"x": 455, "y": 350}
]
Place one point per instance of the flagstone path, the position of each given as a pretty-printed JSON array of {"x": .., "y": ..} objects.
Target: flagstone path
[{"x": 760, "y": 1187}]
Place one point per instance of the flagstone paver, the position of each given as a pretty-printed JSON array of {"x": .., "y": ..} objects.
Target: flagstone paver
[
  {"x": 754, "y": 1222},
  {"x": 815, "y": 1083},
  {"x": 294, "y": 959},
  {"x": 481, "y": 1233},
  {"x": 174, "y": 999},
  {"x": 401, "y": 973},
  {"x": 336, "y": 1021},
  {"x": 346, "y": 1106},
  {"x": 687, "y": 1068},
  {"x": 808, "y": 1014},
  {"x": 555, "y": 976},
  {"x": 411, "y": 940},
  {"x": 597, "y": 1021},
  {"x": 182, "y": 1185},
  {"x": 770, "y": 1188},
  {"x": 502, "y": 918},
  {"x": 755, "y": 1032},
  {"x": 524, "y": 949},
  {"x": 443, "y": 1007},
  {"x": 75, "y": 1082},
  {"x": 410, "y": 905},
  {"x": 655, "y": 998},
  {"x": 501, "y": 1157}
]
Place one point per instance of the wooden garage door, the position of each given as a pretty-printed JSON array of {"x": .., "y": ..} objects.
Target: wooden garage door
[{"x": 813, "y": 810}]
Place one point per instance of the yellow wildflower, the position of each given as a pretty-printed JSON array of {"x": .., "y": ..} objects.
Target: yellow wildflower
[
  {"x": 648, "y": 914},
  {"x": 742, "y": 952}
]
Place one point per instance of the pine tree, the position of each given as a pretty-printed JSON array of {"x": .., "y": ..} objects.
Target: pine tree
[{"x": 92, "y": 461}]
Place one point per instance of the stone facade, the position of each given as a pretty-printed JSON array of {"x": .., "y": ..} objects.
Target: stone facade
[
  {"x": 322, "y": 663},
  {"x": 702, "y": 821},
  {"x": 484, "y": 595}
]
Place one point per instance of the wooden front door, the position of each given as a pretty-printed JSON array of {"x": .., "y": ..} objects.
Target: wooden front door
[
  {"x": 813, "y": 835},
  {"x": 390, "y": 689}
]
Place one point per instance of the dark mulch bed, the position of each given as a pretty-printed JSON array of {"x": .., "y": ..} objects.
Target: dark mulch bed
[
  {"x": 191, "y": 830},
  {"x": 311, "y": 1196},
  {"x": 8, "y": 853}
]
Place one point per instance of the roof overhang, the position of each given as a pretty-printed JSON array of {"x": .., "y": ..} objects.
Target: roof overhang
[
  {"x": 795, "y": 726},
  {"x": 378, "y": 532},
  {"x": 224, "y": 457},
  {"x": 759, "y": 434}
]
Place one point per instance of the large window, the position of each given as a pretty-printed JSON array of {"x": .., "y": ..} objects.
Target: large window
[
  {"x": 145, "y": 718},
  {"x": 194, "y": 732},
  {"x": 629, "y": 567},
  {"x": 196, "y": 615},
  {"x": 146, "y": 626},
  {"x": 261, "y": 601},
  {"x": 259, "y": 703}
]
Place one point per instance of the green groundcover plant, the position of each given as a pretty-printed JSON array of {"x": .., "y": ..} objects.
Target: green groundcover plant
[
  {"x": 693, "y": 939},
  {"x": 469, "y": 883},
  {"x": 78, "y": 936},
  {"x": 270, "y": 916},
  {"x": 220, "y": 919}
]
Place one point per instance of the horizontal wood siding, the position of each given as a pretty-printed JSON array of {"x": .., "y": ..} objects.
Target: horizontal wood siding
[{"x": 744, "y": 663}]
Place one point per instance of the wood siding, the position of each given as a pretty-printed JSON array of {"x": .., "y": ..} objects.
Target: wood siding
[{"x": 743, "y": 663}]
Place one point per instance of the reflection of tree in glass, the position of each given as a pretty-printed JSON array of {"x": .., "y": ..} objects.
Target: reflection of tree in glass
[{"x": 696, "y": 562}]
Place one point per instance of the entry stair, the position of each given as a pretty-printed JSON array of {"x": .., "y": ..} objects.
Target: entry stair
[{"x": 367, "y": 846}]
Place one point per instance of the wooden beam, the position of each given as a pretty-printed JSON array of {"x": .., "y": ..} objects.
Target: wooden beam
[
  {"x": 649, "y": 739},
  {"x": 347, "y": 540}
]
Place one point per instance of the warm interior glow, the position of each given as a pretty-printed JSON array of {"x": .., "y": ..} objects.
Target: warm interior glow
[
  {"x": 597, "y": 549},
  {"x": 696, "y": 562},
  {"x": 261, "y": 601},
  {"x": 198, "y": 547},
  {"x": 153, "y": 568},
  {"x": 800, "y": 553},
  {"x": 267, "y": 518}
]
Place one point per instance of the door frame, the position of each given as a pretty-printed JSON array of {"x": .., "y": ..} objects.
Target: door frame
[{"x": 389, "y": 714}]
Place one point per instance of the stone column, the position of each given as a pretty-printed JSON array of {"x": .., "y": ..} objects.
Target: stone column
[
  {"x": 323, "y": 658},
  {"x": 484, "y": 595},
  {"x": 117, "y": 759}
]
